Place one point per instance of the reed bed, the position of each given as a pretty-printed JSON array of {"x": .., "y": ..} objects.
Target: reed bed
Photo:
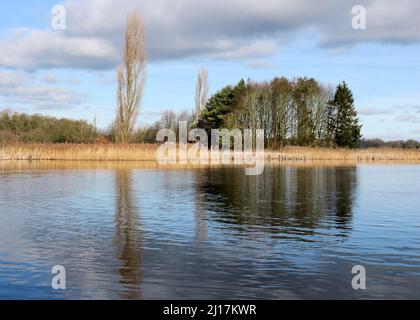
[
  {"x": 359, "y": 155},
  {"x": 147, "y": 152},
  {"x": 75, "y": 152}
]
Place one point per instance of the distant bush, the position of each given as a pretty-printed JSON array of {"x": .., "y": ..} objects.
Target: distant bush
[
  {"x": 146, "y": 134},
  {"x": 378, "y": 143},
  {"x": 168, "y": 120},
  {"x": 18, "y": 127}
]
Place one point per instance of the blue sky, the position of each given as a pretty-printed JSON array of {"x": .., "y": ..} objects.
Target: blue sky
[{"x": 71, "y": 73}]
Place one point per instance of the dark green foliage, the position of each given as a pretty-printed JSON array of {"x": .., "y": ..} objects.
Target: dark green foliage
[
  {"x": 300, "y": 112},
  {"x": 15, "y": 127},
  {"x": 347, "y": 132},
  {"x": 220, "y": 105}
]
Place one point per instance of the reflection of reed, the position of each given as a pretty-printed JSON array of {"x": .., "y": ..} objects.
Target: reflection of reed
[
  {"x": 23, "y": 165},
  {"x": 128, "y": 238}
]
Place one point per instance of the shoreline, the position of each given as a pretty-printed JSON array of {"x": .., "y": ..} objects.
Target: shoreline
[{"x": 147, "y": 152}]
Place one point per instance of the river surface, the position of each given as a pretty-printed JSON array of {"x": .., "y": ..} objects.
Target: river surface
[{"x": 209, "y": 233}]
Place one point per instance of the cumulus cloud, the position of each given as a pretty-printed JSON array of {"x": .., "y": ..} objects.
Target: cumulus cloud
[
  {"x": 33, "y": 49},
  {"x": 408, "y": 118},
  {"x": 12, "y": 78},
  {"x": 42, "y": 97},
  {"x": 408, "y": 108},
  {"x": 17, "y": 88},
  {"x": 373, "y": 111},
  {"x": 217, "y": 29},
  {"x": 260, "y": 64},
  {"x": 387, "y": 21},
  {"x": 50, "y": 78}
]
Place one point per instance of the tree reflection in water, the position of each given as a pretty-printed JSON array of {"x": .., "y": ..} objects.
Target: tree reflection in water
[
  {"x": 282, "y": 199},
  {"x": 128, "y": 236}
]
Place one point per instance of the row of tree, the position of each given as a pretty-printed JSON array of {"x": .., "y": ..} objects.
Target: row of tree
[
  {"x": 169, "y": 120},
  {"x": 301, "y": 111},
  {"x": 17, "y": 127},
  {"x": 298, "y": 112},
  {"x": 378, "y": 143}
]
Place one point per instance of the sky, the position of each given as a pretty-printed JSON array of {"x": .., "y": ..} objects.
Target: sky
[{"x": 71, "y": 72}]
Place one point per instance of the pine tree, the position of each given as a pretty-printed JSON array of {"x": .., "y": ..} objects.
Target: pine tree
[
  {"x": 347, "y": 132},
  {"x": 220, "y": 105}
]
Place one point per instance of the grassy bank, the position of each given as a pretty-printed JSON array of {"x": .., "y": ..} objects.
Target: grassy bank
[{"x": 147, "y": 152}]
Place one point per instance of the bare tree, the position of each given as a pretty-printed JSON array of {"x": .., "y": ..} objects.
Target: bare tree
[
  {"x": 201, "y": 92},
  {"x": 168, "y": 120},
  {"x": 131, "y": 77}
]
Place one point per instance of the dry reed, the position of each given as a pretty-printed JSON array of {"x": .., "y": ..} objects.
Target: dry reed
[{"x": 147, "y": 152}]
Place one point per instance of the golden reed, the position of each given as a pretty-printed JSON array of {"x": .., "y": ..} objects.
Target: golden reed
[{"x": 147, "y": 152}]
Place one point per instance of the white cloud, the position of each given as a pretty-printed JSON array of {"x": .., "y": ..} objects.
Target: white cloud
[
  {"x": 408, "y": 118},
  {"x": 217, "y": 29},
  {"x": 50, "y": 78},
  {"x": 20, "y": 89},
  {"x": 388, "y": 21},
  {"x": 32, "y": 49},
  {"x": 42, "y": 97},
  {"x": 228, "y": 50},
  {"x": 260, "y": 64},
  {"x": 40, "y": 91},
  {"x": 12, "y": 78},
  {"x": 373, "y": 111}
]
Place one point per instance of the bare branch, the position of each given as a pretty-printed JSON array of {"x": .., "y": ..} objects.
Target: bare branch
[
  {"x": 131, "y": 77},
  {"x": 201, "y": 92}
]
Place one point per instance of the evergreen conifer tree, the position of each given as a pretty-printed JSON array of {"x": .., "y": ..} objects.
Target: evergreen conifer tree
[{"x": 347, "y": 131}]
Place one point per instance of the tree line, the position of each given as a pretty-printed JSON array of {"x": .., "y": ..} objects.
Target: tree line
[
  {"x": 300, "y": 111},
  {"x": 18, "y": 127},
  {"x": 379, "y": 143},
  {"x": 292, "y": 112}
]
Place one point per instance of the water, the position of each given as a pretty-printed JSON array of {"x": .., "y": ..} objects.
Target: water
[{"x": 210, "y": 233}]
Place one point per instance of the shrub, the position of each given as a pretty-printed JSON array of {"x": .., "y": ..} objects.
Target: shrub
[{"x": 19, "y": 127}]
